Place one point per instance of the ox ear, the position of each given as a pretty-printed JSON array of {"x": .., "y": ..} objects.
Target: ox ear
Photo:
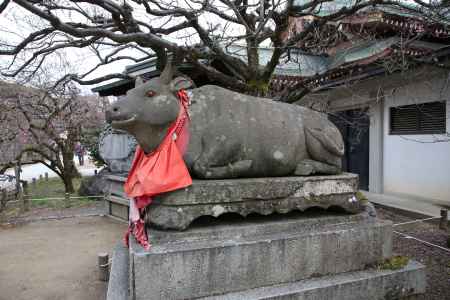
[
  {"x": 180, "y": 83},
  {"x": 138, "y": 81}
]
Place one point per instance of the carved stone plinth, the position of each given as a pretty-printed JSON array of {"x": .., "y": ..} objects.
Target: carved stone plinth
[
  {"x": 176, "y": 210},
  {"x": 315, "y": 254}
]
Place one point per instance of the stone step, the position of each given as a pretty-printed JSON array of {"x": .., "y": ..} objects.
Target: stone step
[
  {"x": 370, "y": 284},
  {"x": 241, "y": 257}
]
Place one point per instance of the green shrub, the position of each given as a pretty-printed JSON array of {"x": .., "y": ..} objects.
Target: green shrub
[{"x": 394, "y": 263}]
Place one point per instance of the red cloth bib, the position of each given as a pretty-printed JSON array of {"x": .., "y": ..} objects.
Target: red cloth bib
[
  {"x": 159, "y": 172},
  {"x": 164, "y": 169}
]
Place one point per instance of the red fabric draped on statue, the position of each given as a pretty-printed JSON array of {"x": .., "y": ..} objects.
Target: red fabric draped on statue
[{"x": 160, "y": 171}]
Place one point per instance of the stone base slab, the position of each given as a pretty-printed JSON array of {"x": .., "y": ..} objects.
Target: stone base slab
[
  {"x": 219, "y": 259},
  {"x": 177, "y": 209},
  {"x": 405, "y": 283}
]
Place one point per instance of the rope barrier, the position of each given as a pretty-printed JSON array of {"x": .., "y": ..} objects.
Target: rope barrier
[
  {"x": 396, "y": 224},
  {"x": 422, "y": 241},
  {"x": 56, "y": 198},
  {"x": 12, "y": 201},
  {"x": 416, "y": 221},
  {"x": 52, "y": 199},
  {"x": 53, "y": 217},
  {"x": 62, "y": 198}
]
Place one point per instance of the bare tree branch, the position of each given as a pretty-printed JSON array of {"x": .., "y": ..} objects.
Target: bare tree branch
[{"x": 198, "y": 30}]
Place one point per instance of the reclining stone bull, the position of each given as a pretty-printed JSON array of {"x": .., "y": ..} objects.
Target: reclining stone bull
[{"x": 231, "y": 135}]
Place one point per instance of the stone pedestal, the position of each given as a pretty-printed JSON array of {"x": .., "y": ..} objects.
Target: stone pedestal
[
  {"x": 314, "y": 254},
  {"x": 218, "y": 259},
  {"x": 176, "y": 210}
]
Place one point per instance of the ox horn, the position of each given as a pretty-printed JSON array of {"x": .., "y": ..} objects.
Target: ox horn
[
  {"x": 138, "y": 81},
  {"x": 166, "y": 75}
]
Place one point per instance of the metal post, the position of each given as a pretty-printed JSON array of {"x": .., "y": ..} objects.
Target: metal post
[
  {"x": 19, "y": 198},
  {"x": 103, "y": 266},
  {"x": 19, "y": 192},
  {"x": 26, "y": 197},
  {"x": 107, "y": 202},
  {"x": 66, "y": 200},
  {"x": 443, "y": 224},
  {"x": 3, "y": 201},
  {"x": 17, "y": 175}
]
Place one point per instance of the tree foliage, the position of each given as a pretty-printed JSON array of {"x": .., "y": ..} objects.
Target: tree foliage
[
  {"x": 197, "y": 31},
  {"x": 90, "y": 140},
  {"x": 46, "y": 124}
]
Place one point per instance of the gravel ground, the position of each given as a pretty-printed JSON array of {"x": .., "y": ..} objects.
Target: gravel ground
[
  {"x": 55, "y": 259},
  {"x": 437, "y": 261}
]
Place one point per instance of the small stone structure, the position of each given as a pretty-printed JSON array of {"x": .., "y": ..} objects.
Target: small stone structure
[{"x": 116, "y": 147}]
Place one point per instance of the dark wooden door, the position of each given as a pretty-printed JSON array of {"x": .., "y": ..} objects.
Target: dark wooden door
[{"x": 354, "y": 127}]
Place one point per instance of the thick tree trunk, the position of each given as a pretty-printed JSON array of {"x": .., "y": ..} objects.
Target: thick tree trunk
[
  {"x": 70, "y": 171},
  {"x": 68, "y": 184}
]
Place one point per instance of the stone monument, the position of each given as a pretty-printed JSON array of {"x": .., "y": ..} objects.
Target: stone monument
[
  {"x": 274, "y": 163},
  {"x": 116, "y": 147}
]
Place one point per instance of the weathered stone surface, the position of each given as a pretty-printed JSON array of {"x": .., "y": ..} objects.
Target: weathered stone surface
[
  {"x": 176, "y": 210},
  {"x": 214, "y": 260},
  {"x": 117, "y": 210},
  {"x": 118, "y": 285},
  {"x": 406, "y": 283},
  {"x": 232, "y": 135}
]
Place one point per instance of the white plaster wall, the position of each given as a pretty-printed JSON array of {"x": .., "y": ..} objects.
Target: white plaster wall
[{"x": 417, "y": 165}]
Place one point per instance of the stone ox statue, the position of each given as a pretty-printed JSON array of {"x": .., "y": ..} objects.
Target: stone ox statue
[{"x": 231, "y": 135}]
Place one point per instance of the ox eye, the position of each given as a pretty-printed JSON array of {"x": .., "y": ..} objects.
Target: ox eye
[{"x": 150, "y": 93}]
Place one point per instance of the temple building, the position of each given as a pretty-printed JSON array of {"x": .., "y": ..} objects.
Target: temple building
[{"x": 383, "y": 76}]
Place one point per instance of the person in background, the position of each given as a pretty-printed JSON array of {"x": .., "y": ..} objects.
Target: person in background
[{"x": 79, "y": 151}]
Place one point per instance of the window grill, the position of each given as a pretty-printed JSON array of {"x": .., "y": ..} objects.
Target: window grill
[{"x": 425, "y": 118}]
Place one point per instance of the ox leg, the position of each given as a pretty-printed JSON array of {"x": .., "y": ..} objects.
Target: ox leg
[
  {"x": 220, "y": 160},
  {"x": 309, "y": 167},
  {"x": 232, "y": 170}
]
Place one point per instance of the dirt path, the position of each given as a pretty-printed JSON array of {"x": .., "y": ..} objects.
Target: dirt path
[{"x": 55, "y": 259}]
